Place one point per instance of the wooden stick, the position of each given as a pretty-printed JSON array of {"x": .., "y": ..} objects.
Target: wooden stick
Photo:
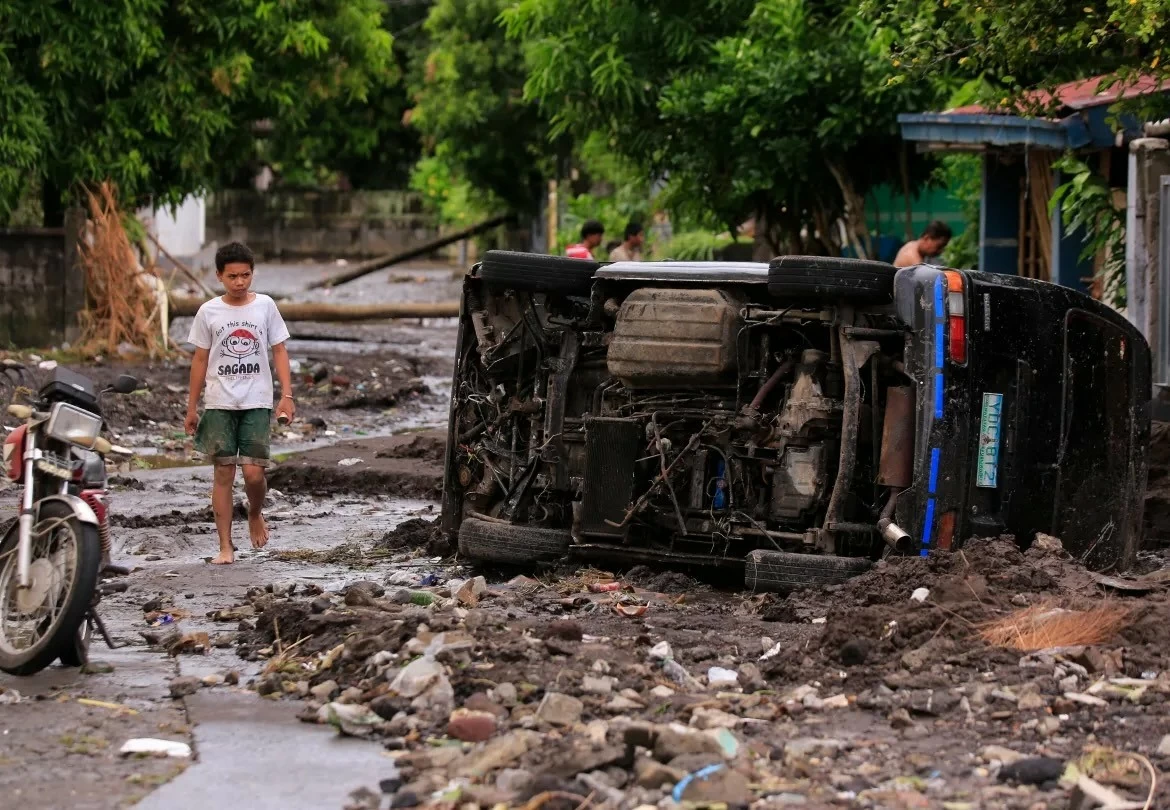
[
  {"x": 367, "y": 267},
  {"x": 181, "y": 267},
  {"x": 339, "y": 313}
]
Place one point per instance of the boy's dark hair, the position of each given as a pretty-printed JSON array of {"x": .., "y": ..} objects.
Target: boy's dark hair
[
  {"x": 633, "y": 229},
  {"x": 592, "y": 227},
  {"x": 937, "y": 230},
  {"x": 610, "y": 245},
  {"x": 234, "y": 253}
]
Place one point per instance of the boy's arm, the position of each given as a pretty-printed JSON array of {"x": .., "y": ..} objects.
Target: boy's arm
[
  {"x": 280, "y": 365},
  {"x": 198, "y": 378}
]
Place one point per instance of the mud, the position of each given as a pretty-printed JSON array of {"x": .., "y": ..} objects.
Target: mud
[
  {"x": 408, "y": 466},
  {"x": 418, "y": 534}
]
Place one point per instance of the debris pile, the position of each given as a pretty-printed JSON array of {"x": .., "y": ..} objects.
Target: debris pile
[{"x": 558, "y": 694}]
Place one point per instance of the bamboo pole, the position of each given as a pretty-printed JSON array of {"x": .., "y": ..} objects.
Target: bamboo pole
[{"x": 338, "y": 313}]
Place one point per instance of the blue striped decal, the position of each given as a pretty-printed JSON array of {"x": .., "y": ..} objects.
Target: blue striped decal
[
  {"x": 939, "y": 286},
  {"x": 927, "y": 529},
  {"x": 938, "y": 346},
  {"x": 939, "y": 390},
  {"x": 934, "y": 457}
]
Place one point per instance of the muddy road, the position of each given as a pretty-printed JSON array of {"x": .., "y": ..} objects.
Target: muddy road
[{"x": 355, "y": 662}]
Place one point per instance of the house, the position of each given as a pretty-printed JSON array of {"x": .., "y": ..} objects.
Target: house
[{"x": 1017, "y": 233}]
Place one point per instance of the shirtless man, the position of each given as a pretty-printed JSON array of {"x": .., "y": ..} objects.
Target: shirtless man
[{"x": 925, "y": 248}]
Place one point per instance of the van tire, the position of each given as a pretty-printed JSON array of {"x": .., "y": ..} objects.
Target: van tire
[
  {"x": 533, "y": 272},
  {"x": 510, "y": 543},
  {"x": 831, "y": 278},
  {"x": 784, "y": 572}
]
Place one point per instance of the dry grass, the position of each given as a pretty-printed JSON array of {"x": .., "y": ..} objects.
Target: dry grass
[
  {"x": 123, "y": 308},
  {"x": 1045, "y": 626}
]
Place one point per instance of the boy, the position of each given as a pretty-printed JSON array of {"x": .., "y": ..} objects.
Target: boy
[
  {"x": 232, "y": 336},
  {"x": 591, "y": 234}
]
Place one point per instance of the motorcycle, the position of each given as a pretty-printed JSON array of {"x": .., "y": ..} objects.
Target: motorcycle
[{"x": 54, "y": 555}]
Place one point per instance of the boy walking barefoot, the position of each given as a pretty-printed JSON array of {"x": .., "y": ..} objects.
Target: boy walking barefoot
[{"x": 232, "y": 336}]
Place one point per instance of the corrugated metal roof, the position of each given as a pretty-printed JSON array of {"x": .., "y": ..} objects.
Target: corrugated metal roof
[{"x": 1079, "y": 95}]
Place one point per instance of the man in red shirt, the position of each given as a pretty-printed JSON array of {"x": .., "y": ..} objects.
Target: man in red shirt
[{"x": 591, "y": 234}]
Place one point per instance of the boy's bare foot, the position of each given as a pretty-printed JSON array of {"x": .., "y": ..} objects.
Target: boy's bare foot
[
  {"x": 224, "y": 558},
  {"x": 258, "y": 530}
]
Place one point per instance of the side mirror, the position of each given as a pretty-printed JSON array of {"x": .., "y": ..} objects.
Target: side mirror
[{"x": 125, "y": 384}]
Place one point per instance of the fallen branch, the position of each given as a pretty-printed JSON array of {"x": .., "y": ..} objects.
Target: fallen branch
[
  {"x": 182, "y": 268},
  {"x": 373, "y": 265},
  {"x": 339, "y": 313}
]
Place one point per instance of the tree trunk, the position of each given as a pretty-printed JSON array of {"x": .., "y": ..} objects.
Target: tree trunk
[{"x": 854, "y": 217}]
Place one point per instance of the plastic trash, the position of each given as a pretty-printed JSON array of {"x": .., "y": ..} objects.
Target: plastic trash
[
  {"x": 920, "y": 595},
  {"x": 349, "y": 462},
  {"x": 720, "y": 678},
  {"x": 150, "y": 745},
  {"x": 684, "y": 783},
  {"x": 661, "y": 651}
]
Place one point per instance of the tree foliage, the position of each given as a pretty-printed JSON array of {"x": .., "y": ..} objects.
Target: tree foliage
[
  {"x": 161, "y": 96},
  {"x": 1017, "y": 44},
  {"x": 478, "y": 131},
  {"x": 779, "y": 108}
]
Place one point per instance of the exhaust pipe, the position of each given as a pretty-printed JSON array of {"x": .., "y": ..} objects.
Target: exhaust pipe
[{"x": 895, "y": 536}]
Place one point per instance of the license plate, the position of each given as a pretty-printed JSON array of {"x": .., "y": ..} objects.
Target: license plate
[{"x": 990, "y": 427}]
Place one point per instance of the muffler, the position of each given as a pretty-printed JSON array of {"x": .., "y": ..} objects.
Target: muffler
[{"x": 896, "y": 465}]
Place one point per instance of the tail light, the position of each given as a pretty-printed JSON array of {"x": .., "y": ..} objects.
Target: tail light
[
  {"x": 956, "y": 318},
  {"x": 14, "y": 453},
  {"x": 946, "y": 531}
]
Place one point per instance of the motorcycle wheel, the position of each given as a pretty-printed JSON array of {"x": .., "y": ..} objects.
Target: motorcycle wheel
[{"x": 38, "y": 623}]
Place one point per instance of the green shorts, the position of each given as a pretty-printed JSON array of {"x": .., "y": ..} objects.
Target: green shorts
[{"x": 236, "y": 437}]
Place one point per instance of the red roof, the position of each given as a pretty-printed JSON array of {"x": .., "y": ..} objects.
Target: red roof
[{"x": 1081, "y": 94}]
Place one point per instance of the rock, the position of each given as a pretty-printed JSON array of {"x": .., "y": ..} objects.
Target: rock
[
  {"x": 471, "y": 726},
  {"x": 813, "y": 703},
  {"x": 498, "y": 753},
  {"x": 933, "y": 702},
  {"x": 1048, "y": 725},
  {"x": 564, "y": 629},
  {"x": 713, "y": 718},
  {"x": 622, "y": 703},
  {"x": 181, "y": 687},
  {"x": 662, "y": 692},
  {"x": 402, "y": 578},
  {"x": 404, "y": 798},
  {"x": 715, "y": 783},
  {"x": 1032, "y": 771},
  {"x": 855, "y": 651},
  {"x": 558, "y": 709},
  {"x": 1031, "y": 702},
  {"x": 671, "y": 742},
  {"x": 803, "y": 748},
  {"x": 350, "y": 719},
  {"x": 480, "y": 702},
  {"x": 469, "y": 592},
  {"x": 231, "y": 678},
  {"x": 750, "y": 678},
  {"x": 213, "y": 680},
  {"x": 997, "y": 753},
  {"x": 900, "y": 719},
  {"x": 1164, "y": 747},
  {"x": 597, "y": 686},
  {"x": 505, "y": 693},
  {"x": 1086, "y": 700},
  {"x": 391, "y": 785},
  {"x": 324, "y": 691},
  {"x": 320, "y": 604},
  {"x": 661, "y": 651},
  {"x": 652, "y": 775},
  {"x": 514, "y": 780},
  {"x": 837, "y": 702}
]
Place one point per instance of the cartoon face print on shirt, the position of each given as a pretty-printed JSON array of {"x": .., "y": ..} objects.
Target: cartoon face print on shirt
[{"x": 239, "y": 345}]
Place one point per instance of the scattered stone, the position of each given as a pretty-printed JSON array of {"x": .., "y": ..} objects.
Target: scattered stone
[
  {"x": 182, "y": 687},
  {"x": 471, "y": 726},
  {"x": 803, "y": 748},
  {"x": 714, "y": 718},
  {"x": 505, "y": 693},
  {"x": 652, "y": 775},
  {"x": 324, "y": 691},
  {"x": 715, "y": 783},
  {"x": 514, "y": 780},
  {"x": 900, "y": 719},
  {"x": 1087, "y": 700},
  {"x": 1164, "y": 746},
  {"x": 558, "y": 709},
  {"x": 597, "y": 686},
  {"x": 997, "y": 753},
  {"x": 1031, "y": 701},
  {"x": 1032, "y": 771},
  {"x": 837, "y": 702},
  {"x": 720, "y": 678},
  {"x": 855, "y": 651},
  {"x": 662, "y": 692},
  {"x": 661, "y": 651},
  {"x": 231, "y": 678}
]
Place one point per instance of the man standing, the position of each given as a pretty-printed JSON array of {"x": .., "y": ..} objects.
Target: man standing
[
  {"x": 925, "y": 248},
  {"x": 591, "y": 233},
  {"x": 630, "y": 250}
]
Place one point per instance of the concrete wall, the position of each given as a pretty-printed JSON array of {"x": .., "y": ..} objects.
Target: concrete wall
[
  {"x": 42, "y": 287},
  {"x": 319, "y": 224}
]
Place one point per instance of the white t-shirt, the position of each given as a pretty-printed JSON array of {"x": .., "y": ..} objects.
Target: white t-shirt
[{"x": 239, "y": 376}]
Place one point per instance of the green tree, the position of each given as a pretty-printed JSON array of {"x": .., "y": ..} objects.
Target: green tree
[
  {"x": 161, "y": 96},
  {"x": 1016, "y": 44},
  {"x": 483, "y": 141},
  {"x": 782, "y": 109}
]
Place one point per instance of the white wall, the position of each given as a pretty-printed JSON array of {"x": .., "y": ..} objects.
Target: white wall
[{"x": 180, "y": 231}]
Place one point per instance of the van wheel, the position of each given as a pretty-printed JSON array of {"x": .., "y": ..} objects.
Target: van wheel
[
  {"x": 833, "y": 278},
  {"x": 510, "y": 543},
  {"x": 784, "y": 572},
  {"x": 533, "y": 272}
]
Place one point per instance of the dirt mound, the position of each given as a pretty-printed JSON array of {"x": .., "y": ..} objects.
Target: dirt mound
[
  {"x": 370, "y": 482},
  {"x": 174, "y": 518},
  {"x": 417, "y": 533},
  {"x": 643, "y": 576},
  {"x": 426, "y": 446}
]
